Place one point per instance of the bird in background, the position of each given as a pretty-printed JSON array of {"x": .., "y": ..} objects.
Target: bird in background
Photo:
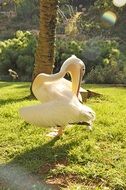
[
  {"x": 59, "y": 99},
  {"x": 13, "y": 74}
]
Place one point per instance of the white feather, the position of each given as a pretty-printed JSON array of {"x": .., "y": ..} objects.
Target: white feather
[{"x": 57, "y": 113}]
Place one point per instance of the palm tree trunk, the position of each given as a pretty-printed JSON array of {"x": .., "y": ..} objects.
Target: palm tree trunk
[{"x": 44, "y": 58}]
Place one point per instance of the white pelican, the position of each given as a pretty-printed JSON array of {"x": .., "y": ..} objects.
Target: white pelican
[
  {"x": 60, "y": 104},
  {"x": 48, "y": 87}
]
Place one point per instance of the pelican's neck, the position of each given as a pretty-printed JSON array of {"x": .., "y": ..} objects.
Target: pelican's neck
[
  {"x": 43, "y": 78},
  {"x": 53, "y": 77},
  {"x": 75, "y": 76},
  {"x": 72, "y": 69}
]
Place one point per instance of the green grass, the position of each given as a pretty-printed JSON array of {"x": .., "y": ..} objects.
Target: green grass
[{"x": 80, "y": 159}]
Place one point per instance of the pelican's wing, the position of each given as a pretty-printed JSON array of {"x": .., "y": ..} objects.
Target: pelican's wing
[
  {"x": 50, "y": 91},
  {"x": 47, "y": 92},
  {"x": 50, "y": 114}
]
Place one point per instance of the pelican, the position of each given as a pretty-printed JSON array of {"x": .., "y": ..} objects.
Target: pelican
[
  {"x": 60, "y": 99},
  {"x": 13, "y": 74}
]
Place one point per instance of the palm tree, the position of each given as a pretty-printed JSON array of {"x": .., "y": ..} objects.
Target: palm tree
[{"x": 44, "y": 58}]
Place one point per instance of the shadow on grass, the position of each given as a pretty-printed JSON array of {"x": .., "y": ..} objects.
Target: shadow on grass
[
  {"x": 11, "y": 100},
  {"x": 5, "y": 84},
  {"x": 39, "y": 162},
  {"x": 18, "y": 84},
  {"x": 97, "y": 86},
  {"x": 23, "y": 85}
]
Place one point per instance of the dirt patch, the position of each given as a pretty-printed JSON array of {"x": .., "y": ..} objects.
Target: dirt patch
[
  {"x": 44, "y": 179},
  {"x": 64, "y": 180},
  {"x": 49, "y": 166}
]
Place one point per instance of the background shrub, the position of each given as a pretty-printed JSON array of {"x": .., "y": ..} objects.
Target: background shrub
[
  {"x": 18, "y": 54},
  {"x": 28, "y": 9},
  {"x": 108, "y": 75},
  {"x": 105, "y": 59}
]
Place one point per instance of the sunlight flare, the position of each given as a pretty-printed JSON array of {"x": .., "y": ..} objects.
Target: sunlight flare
[
  {"x": 119, "y": 3},
  {"x": 109, "y": 18}
]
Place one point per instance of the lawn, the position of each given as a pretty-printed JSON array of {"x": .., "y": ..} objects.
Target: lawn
[{"x": 80, "y": 159}]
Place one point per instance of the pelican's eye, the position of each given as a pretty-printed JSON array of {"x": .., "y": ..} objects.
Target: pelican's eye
[{"x": 83, "y": 69}]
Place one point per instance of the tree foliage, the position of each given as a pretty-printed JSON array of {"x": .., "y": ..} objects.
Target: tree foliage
[
  {"x": 104, "y": 59},
  {"x": 18, "y": 54},
  {"x": 102, "y": 48}
]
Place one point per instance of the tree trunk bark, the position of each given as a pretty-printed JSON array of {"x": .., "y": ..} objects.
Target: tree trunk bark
[{"x": 44, "y": 58}]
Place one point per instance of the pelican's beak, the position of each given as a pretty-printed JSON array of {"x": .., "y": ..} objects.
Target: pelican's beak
[{"x": 82, "y": 71}]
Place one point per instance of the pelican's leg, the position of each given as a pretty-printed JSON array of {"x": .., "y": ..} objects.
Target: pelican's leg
[
  {"x": 89, "y": 127},
  {"x": 56, "y": 132},
  {"x": 60, "y": 130}
]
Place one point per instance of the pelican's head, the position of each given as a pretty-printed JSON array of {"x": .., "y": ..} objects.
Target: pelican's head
[
  {"x": 73, "y": 62},
  {"x": 76, "y": 68}
]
